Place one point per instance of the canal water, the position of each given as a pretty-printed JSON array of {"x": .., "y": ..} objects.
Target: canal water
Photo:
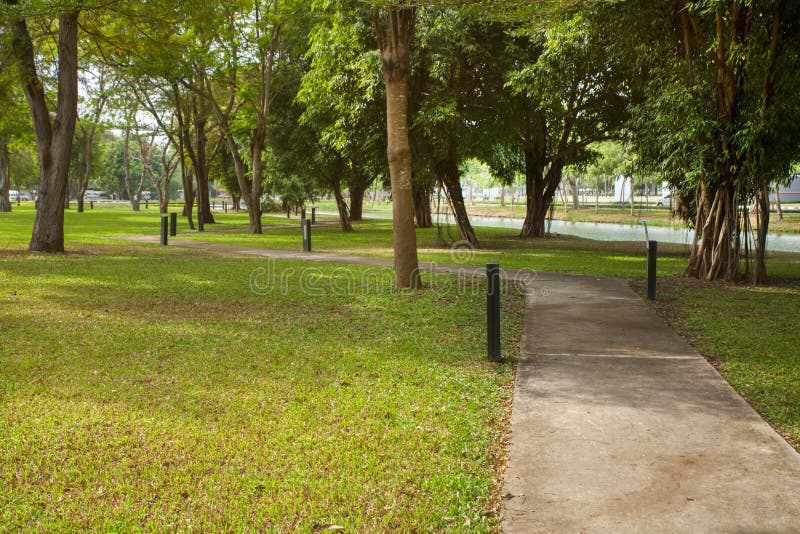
[{"x": 607, "y": 231}]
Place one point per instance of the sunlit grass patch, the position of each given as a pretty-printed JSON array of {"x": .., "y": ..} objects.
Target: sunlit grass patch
[{"x": 153, "y": 389}]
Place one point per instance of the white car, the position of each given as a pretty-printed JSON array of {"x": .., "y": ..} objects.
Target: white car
[{"x": 14, "y": 195}]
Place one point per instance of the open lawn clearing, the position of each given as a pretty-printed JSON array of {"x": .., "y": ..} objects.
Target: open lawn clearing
[{"x": 154, "y": 389}]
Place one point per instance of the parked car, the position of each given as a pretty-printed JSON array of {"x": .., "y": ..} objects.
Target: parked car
[{"x": 14, "y": 195}]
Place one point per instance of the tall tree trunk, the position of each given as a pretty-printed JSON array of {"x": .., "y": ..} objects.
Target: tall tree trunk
[
  {"x": 201, "y": 173},
  {"x": 133, "y": 195},
  {"x": 66, "y": 194},
  {"x": 395, "y": 52},
  {"x": 200, "y": 162},
  {"x": 720, "y": 206},
  {"x": 356, "y": 202},
  {"x": 760, "y": 264},
  {"x": 449, "y": 175},
  {"x": 5, "y": 181},
  {"x": 422, "y": 205},
  {"x": 253, "y": 199},
  {"x": 88, "y": 144},
  {"x": 535, "y": 214},
  {"x": 53, "y": 139},
  {"x": 358, "y": 184},
  {"x": 250, "y": 188},
  {"x": 778, "y": 202},
  {"x": 188, "y": 197},
  {"x": 573, "y": 184},
  {"x": 163, "y": 199},
  {"x": 502, "y": 195},
  {"x": 341, "y": 205},
  {"x": 597, "y": 194},
  {"x": 87, "y": 147},
  {"x": 716, "y": 251},
  {"x": 633, "y": 210},
  {"x": 183, "y": 142},
  {"x": 767, "y": 96},
  {"x": 539, "y": 192},
  {"x": 168, "y": 165}
]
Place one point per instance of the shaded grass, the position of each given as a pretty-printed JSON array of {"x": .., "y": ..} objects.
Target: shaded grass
[
  {"x": 153, "y": 389},
  {"x": 750, "y": 334}
]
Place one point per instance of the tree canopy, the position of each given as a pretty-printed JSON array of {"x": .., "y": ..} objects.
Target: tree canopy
[{"x": 279, "y": 98}]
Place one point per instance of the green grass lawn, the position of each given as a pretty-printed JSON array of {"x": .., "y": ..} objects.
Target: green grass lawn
[
  {"x": 150, "y": 388},
  {"x": 101, "y": 225}
]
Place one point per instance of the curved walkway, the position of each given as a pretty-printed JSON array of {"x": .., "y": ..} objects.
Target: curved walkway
[{"x": 618, "y": 425}]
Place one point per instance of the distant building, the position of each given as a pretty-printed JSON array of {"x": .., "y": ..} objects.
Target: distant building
[
  {"x": 789, "y": 193},
  {"x": 622, "y": 189}
]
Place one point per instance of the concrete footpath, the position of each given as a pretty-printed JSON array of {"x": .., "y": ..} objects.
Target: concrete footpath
[{"x": 618, "y": 425}]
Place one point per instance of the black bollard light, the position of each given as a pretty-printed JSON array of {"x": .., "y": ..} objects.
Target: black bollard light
[
  {"x": 652, "y": 254},
  {"x": 146, "y": 204},
  {"x": 306, "y": 235},
  {"x": 173, "y": 224},
  {"x": 224, "y": 206},
  {"x": 313, "y": 215},
  {"x": 91, "y": 204},
  {"x": 493, "y": 311},
  {"x": 164, "y": 228}
]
